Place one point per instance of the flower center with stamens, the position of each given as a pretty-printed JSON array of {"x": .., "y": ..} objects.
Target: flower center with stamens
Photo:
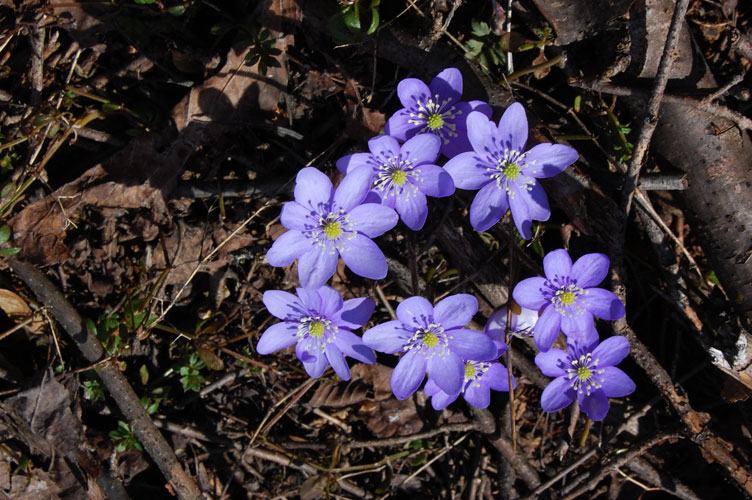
[
  {"x": 470, "y": 371},
  {"x": 437, "y": 116},
  {"x": 435, "y": 121},
  {"x": 316, "y": 329},
  {"x": 399, "y": 177},
  {"x": 333, "y": 230},
  {"x": 315, "y": 332},
  {"x": 584, "y": 375},
  {"x": 512, "y": 171},
  {"x": 395, "y": 176},
  {"x": 567, "y": 298},
  {"x": 474, "y": 371},
  {"x": 504, "y": 168},
  {"x": 429, "y": 341}
]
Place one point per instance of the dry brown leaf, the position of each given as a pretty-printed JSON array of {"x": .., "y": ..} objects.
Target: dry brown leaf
[{"x": 18, "y": 310}]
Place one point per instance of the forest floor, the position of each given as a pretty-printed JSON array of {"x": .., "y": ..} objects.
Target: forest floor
[{"x": 147, "y": 149}]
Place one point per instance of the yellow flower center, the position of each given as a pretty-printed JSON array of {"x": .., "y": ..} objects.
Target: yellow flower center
[
  {"x": 435, "y": 121},
  {"x": 567, "y": 298},
  {"x": 399, "y": 177},
  {"x": 470, "y": 371},
  {"x": 584, "y": 373},
  {"x": 512, "y": 171},
  {"x": 316, "y": 329},
  {"x": 333, "y": 230},
  {"x": 430, "y": 340}
]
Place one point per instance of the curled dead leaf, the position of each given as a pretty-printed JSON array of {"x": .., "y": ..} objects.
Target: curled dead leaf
[{"x": 18, "y": 310}]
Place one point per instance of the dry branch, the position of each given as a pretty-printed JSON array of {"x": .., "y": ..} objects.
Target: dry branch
[{"x": 120, "y": 390}]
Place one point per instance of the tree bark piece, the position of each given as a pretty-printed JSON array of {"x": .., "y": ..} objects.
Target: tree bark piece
[{"x": 120, "y": 390}]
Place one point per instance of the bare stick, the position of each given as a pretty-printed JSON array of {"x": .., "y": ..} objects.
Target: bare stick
[
  {"x": 650, "y": 121},
  {"x": 120, "y": 390}
]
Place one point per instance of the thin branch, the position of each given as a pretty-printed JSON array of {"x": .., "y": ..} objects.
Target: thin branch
[{"x": 117, "y": 385}]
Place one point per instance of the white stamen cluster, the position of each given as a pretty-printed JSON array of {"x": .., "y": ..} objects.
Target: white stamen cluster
[
  {"x": 505, "y": 171},
  {"x": 474, "y": 371},
  {"x": 331, "y": 230},
  {"x": 584, "y": 375},
  {"x": 316, "y": 332},
  {"x": 436, "y": 116},
  {"x": 429, "y": 341},
  {"x": 395, "y": 176},
  {"x": 567, "y": 298}
]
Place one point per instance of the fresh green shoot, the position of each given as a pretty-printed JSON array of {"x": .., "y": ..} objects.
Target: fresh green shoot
[
  {"x": 356, "y": 20},
  {"x": 485, "y": 47},
  {"x": 125, "y": 438},
  {"x": 190, "y": 375},
  {"x": 93, "y": 390},
  {"x": 262, "y": 51}
]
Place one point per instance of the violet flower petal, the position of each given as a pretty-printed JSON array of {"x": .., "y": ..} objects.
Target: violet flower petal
[
  {"x": 611, "y": 351},
  {"x": 549, "y": 159},
  {"x": 283, "y": 305},
  {"x": 553, "y": 363},
  {"x": 536, "y": 200},
  {"x": 354, "y": 313},
  {"x": 389, "y": 337},
  {"x": 315, "y": 367},
  {"x": 422, "y": 148},
  {"x": 478, "y": 395},
  {"x": 353, "y": 189},
  {"x": 455, "y": 311},
  {"x": 351, "y": 345},
  {"x": 527, "y": 293},
  {"x": 441, "y": 399},
  {"x": 310, "y": 298},
  {"x": 288, "y": 247},
  {"x": 277, "y": 337},
  {"x": 547, "y": 328},
  {"x": 295, "y": 216},
  {"x": 577, "y": 324},
  {"x": 408, "y": 374},
  {"x": 412, "y": 90},
  {"x": 498, "y": 378},
  {"x": 448, "y": 372},
  {"x": 468, "y": 171},
  {"x": 513, "y": 128},
  {"x": 316, "y": 266},
  {"x": 430, "y": 388},
  {"x": 447, "y": 84},
  {"x": 373, "y": 219},
  {"x": 331, "y": 301},
  {"x": 434, "y": 181},
  {"x": 557, "y": 395},
  {"x": 521, "y": 213},
  {"x": 350, "y": 162},
  {"x": 399, "y": 125},
  {"x": 312, "y": 188},
  {"x": 337, "y": 360},
  {"x": 595, "y": 406},
  {"x": 604, "y": 304},
  {"x": 488, "y": 206},
  {"x": 590, "y": 269},
  {"x": 364, "y": 258},
  {"x": 616, "y": 383},
  {"x": 473, "y": 345},
  {"x": 557, "y": 263},
  {"x": 481, "y": 133},
  {"x": 413, "y": 209},
  {"x": 415, "y": 312}
]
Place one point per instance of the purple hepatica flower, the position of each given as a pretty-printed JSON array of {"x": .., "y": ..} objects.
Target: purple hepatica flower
[
  {"x": 433, "y": 340},
  {"x": 435, "y": 109},
  {"x": 504, "y": 174},
  {"x": 324, "y": 223},
  {"x": 480, "y": 378},
  {"x": 523, "y": 322},
  {"x": 587, "y": 373},
  {"x": 568, "y": 297},
  {"x": 320, "y": 323},
  {"x": 403, "y": 176}
]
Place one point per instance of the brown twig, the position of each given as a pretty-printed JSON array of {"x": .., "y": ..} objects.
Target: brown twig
[
  {"x": 650, "y": 121},
  {"x": 120, "y": 390}
]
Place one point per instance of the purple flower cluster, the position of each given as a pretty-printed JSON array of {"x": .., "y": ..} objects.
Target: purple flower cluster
[{"x": 393, "y": 182}]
